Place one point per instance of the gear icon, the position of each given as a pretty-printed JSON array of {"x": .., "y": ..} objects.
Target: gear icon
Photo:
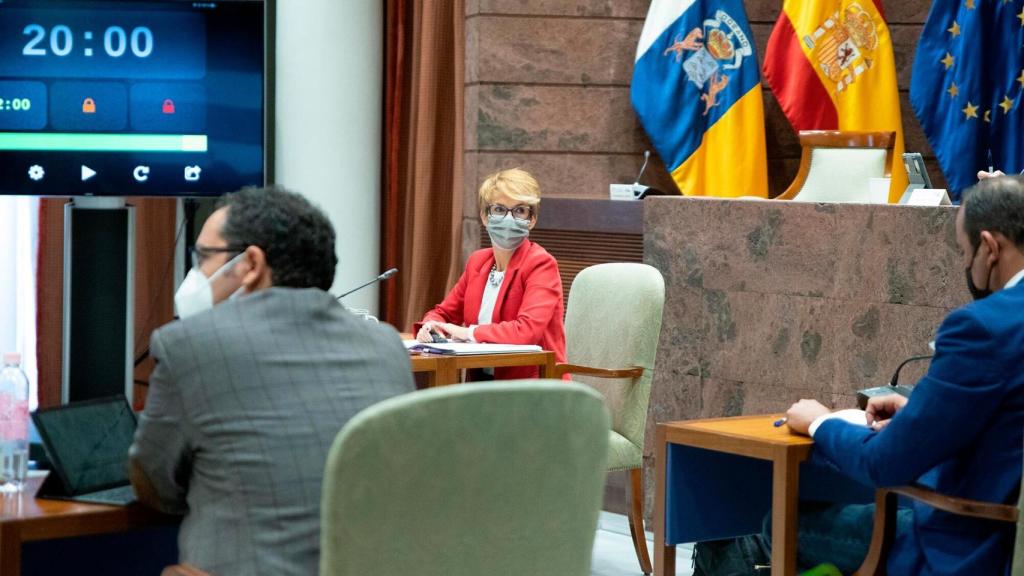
[{"x": 36, "y": 172}]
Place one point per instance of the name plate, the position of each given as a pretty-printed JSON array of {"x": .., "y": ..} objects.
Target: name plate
[{"x": 927, "y": 197}]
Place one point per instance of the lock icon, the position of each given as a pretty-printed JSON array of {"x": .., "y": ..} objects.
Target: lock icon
[
  {"x": 88, "y": 106},
  {"x": 168, "y": 106}
]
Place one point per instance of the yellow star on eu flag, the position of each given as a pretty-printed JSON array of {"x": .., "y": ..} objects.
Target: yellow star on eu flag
[
  {"x": 1006, "y": 104},
  {"x": 970, "y": 111},
  {"x": 953, "y": 90},
  {"x": 948, "y": 60},
  {"x": 954, "y": 29},
  {"x": 1021, "y": 78},
  {"x": 969, "y": 4},
  {"x": 1021, "y": 16}
]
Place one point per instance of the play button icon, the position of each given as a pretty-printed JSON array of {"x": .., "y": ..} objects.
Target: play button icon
[{"x": 87, "y": 173}]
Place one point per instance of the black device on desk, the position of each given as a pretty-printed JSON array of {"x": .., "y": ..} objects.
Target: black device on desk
[
  {"x": 87, "y": 444},
  {"x": 894, "y": 386}
]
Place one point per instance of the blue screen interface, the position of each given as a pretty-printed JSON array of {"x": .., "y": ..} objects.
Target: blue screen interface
[{"x": 120, "y": 98}]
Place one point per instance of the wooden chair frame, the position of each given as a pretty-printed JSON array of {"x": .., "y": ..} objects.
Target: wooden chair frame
[
  {"x": 810, "y": 139},
  {"x": 636, "y": 475},
  {"x": 884, "y": 530}
]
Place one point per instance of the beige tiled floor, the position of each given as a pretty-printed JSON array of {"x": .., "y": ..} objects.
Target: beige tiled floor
[{"x": 613, "y": 550}]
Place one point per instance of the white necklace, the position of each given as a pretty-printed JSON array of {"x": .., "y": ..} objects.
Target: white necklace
[{"x": 495, "y": 277}]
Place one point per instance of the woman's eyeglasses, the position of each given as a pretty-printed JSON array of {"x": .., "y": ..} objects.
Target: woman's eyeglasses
[{"x": 520, "y": 212}]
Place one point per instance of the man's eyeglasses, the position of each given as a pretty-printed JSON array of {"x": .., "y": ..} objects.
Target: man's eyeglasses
[
  {"x": 199, "y": 254},
  {"x": 520, "y": 212}
]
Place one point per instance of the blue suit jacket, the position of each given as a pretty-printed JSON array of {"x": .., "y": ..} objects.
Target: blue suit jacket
[{"x": 960, "y": 434}]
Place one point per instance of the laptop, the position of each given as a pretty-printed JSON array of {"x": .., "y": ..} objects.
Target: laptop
[{"x": 87, "y": 444}]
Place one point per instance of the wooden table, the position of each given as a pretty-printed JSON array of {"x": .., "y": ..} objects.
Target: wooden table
[
  {"x": 23, "y": 518},
  {"x": 443, "y": 369},
  {"x": 749, "y": 436}
]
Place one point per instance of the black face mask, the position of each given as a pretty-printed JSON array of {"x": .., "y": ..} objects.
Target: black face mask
[{"x": 976, "y": 293}]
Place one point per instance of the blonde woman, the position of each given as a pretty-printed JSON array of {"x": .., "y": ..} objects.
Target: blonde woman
[{"x": 510, "y": 293}]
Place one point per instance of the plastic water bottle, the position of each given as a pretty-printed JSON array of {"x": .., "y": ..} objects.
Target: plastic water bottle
[{"x": 13, "y": 424}]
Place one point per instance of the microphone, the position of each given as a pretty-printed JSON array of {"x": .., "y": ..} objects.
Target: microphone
[
  {"x": 639, "y": 190},
  {"x": 893, "y": 387},
  {"x": 647, "y": 158},
  {"x": 384, "y": 276}
]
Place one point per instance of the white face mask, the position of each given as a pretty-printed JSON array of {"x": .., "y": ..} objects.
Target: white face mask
[{"x": 196, "y": 293}]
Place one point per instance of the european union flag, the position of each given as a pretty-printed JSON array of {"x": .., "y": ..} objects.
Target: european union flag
[{"x": 966, "y": 87}]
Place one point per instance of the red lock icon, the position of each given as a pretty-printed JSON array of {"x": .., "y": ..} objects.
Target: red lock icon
[{"x": 168, "y": 106}]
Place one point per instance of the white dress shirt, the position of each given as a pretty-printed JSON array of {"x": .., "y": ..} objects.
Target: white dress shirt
[{"x": 490, "y": 297}]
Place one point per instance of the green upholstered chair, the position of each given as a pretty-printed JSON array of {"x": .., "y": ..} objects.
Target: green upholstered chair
[
  {"x": 501, "y": 479},
  {"x": 612, "y": 325}
]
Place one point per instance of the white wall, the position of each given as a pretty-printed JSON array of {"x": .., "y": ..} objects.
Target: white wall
[
  {"x": 329, "y": 108},
  {"x": 19, "y": 233}
]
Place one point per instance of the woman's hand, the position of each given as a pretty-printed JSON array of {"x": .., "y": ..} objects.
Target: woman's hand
[
  {"x": 455, "y": 332},
  {"x": 430, "y": 326}
]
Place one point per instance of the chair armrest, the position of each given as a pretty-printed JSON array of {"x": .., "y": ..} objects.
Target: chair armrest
[
  {"x": 960, "y": 506},
  {"x": 884, "y": 529},
  {"x": 562, "y": 369}
]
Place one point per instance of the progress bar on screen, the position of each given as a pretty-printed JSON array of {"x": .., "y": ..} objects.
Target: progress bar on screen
[{"x": 76, "y": 142}]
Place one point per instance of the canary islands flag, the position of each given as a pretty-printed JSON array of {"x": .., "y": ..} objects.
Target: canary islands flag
[
  {"x": 697, "y": 90},
  {"x": 830, "y": 64},
  {"x": 966, "y": 88}
]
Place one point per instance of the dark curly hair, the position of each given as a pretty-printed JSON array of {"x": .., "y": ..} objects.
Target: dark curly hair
[
  {"x": 296, "y": 236},
  {"x": 996, "y": 205}
]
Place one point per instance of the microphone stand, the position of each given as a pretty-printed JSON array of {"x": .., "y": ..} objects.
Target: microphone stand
[{"x": 383, "y": 276}]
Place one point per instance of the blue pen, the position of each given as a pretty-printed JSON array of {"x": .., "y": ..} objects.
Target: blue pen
[{"x": 779, "y": 422}]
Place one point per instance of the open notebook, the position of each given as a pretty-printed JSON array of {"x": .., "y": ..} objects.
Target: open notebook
[{"x": 468, "y": 348}]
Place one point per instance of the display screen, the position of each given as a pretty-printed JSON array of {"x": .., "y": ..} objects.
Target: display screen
[{"x": 120, "y": 98}]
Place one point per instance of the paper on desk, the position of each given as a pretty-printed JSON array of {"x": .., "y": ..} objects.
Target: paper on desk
[
  {"x": 468, "y": 348},
  {"x": 852, "y": 415}
]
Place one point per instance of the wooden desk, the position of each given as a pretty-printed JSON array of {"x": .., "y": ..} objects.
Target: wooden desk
[
  {"x": 23, "y": 518},
  {"x": 749, "y": 436},
  {"x": 443, "y": 370}
]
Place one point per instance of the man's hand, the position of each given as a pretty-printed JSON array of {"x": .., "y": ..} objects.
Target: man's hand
[
  {"x": 800, "y": 415},
  {"x": 982, "y": 175},
  {"x": 881, "y": 409}
]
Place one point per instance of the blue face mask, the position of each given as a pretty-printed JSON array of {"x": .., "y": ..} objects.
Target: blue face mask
[{"x": 507, "y": 232}]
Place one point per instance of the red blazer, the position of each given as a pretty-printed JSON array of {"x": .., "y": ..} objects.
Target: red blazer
[{"x": 529, "y": 308}]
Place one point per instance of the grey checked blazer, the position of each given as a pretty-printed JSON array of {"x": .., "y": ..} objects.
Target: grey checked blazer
[{"x": 242, "y": 408}]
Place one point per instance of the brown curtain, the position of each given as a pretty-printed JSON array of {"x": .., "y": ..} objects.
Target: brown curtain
[
  {"x": 154, "y": 281},
  {"x": 423, "y": 144}
]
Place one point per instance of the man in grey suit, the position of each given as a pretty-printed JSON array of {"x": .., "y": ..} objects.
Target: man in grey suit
[{"x": 252, "y": 385}]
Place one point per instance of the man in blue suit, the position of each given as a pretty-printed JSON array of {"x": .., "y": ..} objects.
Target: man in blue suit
[{"x": 960, "y": 433}]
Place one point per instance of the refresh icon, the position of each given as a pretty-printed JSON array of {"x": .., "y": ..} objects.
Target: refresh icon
[{"x": 141, "y": 173}]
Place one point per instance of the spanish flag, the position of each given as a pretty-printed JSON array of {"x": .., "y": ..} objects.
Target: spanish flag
[
  {"x": 697, "y": 91},
  {"x": 831, "y": 67}
]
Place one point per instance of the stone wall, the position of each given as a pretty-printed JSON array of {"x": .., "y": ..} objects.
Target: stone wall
[
  {"x": 547, "y": 89},
  {"x": 770, "y": 302}
]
